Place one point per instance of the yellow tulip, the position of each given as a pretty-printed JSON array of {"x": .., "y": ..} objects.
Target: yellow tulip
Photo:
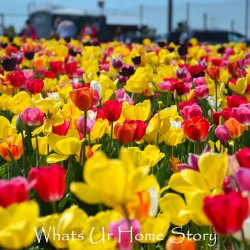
[
  {"x": 207, "y": 179},
  {"x": 64, "y": 146},
  {"x": 155, "y": 227},
  {"x": 100, "y": 128},
  {"x": 149, "y": 157},
  {"x": 239, "y": 87},
  {"x": 174, "y": 136},
  {"x": 99, "y": 170},
  {"x": 173, "y": 204},
  {"x": 59, "y": 229},
  {"x": 140, "y": 111},
  {"x": 43, "y": 145},
  {"x": 139, "y": 81},
  {"x": 17, "y": 225},
  {"x": 20, "y": 102}
]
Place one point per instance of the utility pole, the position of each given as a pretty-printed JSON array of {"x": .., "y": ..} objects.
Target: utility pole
[
  {"x": 246, "y": 18},
  {"x": 141, "y": 16},
  {"x": 170, "y": 15}
]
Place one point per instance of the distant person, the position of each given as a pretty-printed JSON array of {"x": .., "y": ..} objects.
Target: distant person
[
  {"x": 89, "y": 30},
  {"x": 29, "y": 30},
  {"x": 66, "y": 29},
  {"x": 53, "y": 33},
  {"x": 119, "y": 36}
]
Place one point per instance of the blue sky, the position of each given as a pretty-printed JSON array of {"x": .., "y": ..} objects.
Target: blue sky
[{"x": 222, "y": 14}]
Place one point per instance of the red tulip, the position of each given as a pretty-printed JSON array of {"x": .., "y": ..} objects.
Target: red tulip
[
  {"x": 14, "y": 191},
  {"x": 196, "y": 128},
  {"x": 35, "y": 86},
  {"x": 235, "y": 101},
  {"x": 83, "y": 98},
  {"x": 33, "y": 116},
  {"x": 190, "y": 102},
  {"x": 70, "y": 67},
  {"x": 16, "y": 79},
  {"x": 125, "y": 132},
  {"x": 140, "y": 128},
  {"x": 56, "y": 66},
  {"x": 182, "y": 88},
  {"x": 49, "y": 74},
  {"x": 49, "y": 182},
  {"x": 61, "y": 129},
  {"x": 112, "y": 110},
  {"x": 243, "y": 157},
  {"x": 226, "y": 212}
]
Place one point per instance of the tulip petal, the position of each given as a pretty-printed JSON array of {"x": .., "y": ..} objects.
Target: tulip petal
[
  {"x": 213, "y": 168},
  {"x": 53, "y": 158},
  {"x": 84, "y": 193}
]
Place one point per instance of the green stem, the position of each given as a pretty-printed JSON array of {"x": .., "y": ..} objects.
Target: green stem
[
  {"x": 53, "y": 204},
  {"x": 216, "y": 97},
  {"x": 244, "y": 241},
  {"x": 37, "y": 152},
  {"x": 24, "y": 156},
  {"x": 111, "y": 138},
  {"x": 220, "y": 244}
]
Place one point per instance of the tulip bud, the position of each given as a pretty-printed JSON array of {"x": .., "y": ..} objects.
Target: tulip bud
[{"x": 222, "y": 133}]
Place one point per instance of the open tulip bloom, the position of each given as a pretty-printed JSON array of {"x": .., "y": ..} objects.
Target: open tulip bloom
[{"x": 124, "y": 146}]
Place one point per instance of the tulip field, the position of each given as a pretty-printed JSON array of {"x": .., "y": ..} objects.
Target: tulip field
[{"x": 118, "y": 146}]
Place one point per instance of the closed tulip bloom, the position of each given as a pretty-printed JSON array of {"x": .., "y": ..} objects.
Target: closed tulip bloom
[
  {"x": 226, "y": 212},
  {"x": 242, "y": 114},
  {"x": 124, "y": 239},
  {"x": 35, "y": 86},
  {"x": 83, "y": 98},
  {"x": 199, "y": 81},
  {"x": 175, "y": 242},
  {"x": 190, "y": 111},
  {"x": 213, "y": 72},
  {"x": 70, "y": 67},
  {"x": 16, "y": 79},
  {"x": 222, "y": 133},
  {"x": 243, "y": 157},
  {"x": 56, "y": 66},
  {"x": 234, "y": 101},
  {"x": 33, "y": 116},
  {"x": 49, "y": 182},
  {"x": 14, "y": 191},
  {"x": 196, "y": 128},
  {"x": 125, "y": 132},
  {"x": 112, "y": 110},
  {"x": 201, "y": 91},
  {"x": 234, "y": 128},
  {"x": 140, "y": 130},
  {"x": 242, "y": 176}
]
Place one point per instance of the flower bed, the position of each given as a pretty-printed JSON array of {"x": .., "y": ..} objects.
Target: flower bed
[{"x": 115, "y": 146}]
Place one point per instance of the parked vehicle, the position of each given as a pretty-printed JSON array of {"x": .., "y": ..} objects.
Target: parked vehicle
[{"x": 205, "y": 36}]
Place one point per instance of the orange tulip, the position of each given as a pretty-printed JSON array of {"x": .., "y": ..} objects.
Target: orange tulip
[
  {"x": 213, "y": 72},
  {"x": 180, "y": 243},
  {"x": 234, "y": 128},
  {"x": 125, "y": 132},
  {"x": 12, "y": 144},
  {"x": 82, "y": 98}
]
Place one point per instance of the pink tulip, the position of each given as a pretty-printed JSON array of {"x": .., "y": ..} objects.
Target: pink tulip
[
  {"x": 80, "y": 125},
  {"x": 222, "y": 133},
  {"x": 122, "y": 96},
  {"x": 124, "y": 234},
  {"x": 14, "y": 191},
  {"x": 33, "y": 116},
  {"x": 199, "y": 81},
  {"x": 190, "y": 111},
  {"x": 202, "y": 91},
  {"x": 242, "y": 114}
]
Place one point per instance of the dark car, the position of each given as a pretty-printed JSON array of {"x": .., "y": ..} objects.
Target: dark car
[{"x": 205, "y": 36}]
